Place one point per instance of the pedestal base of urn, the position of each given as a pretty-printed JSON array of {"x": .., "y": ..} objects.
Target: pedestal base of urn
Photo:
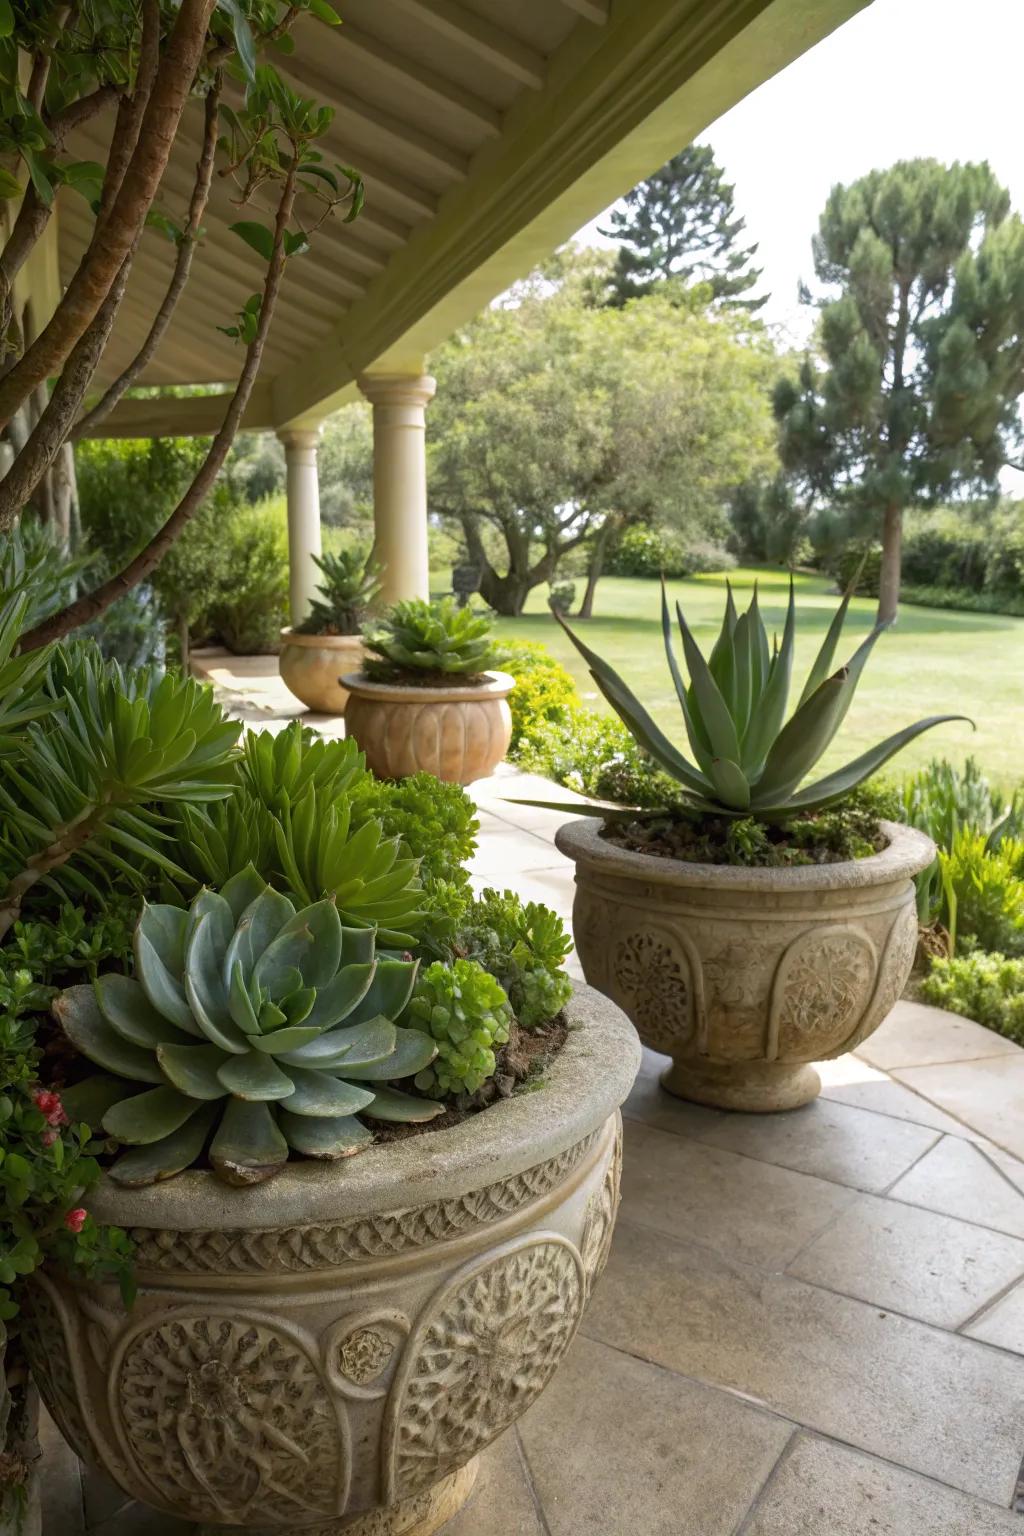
[
  {"x": 421, "y": 1515},
  {"x": 753, "y": 1087}
]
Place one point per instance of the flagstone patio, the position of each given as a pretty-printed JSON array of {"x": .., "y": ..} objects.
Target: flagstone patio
[{"x": 811, "y": 1324}]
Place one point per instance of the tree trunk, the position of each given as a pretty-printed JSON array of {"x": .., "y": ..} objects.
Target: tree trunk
[
  {"x": 598, "y": 553},
  {"x": 505, "y": 594},
  {"x": 889, "y": 580}
]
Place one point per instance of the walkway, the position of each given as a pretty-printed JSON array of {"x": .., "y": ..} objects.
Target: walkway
[{"x": 811, "y": 1325}]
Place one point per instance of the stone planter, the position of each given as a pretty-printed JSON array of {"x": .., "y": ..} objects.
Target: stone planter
[
  {"x": 457, "y": 734},
  {"x": 312, "y": 666},
  {"x": 746, "y": 976},
  {"x": 328, "y": 1352}
]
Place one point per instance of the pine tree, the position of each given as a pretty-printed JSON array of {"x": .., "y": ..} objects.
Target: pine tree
[
  {"x": 681, "y": 223},
  {"x": 912, "y": 392}
]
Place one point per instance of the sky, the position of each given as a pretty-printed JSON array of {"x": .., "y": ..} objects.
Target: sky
[{"x": 903, "y": 78}]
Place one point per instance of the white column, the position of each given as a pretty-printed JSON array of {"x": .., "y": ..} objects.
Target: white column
[
  {"x": 400, "y": 480},
  {"x": 303, "y": 486}
]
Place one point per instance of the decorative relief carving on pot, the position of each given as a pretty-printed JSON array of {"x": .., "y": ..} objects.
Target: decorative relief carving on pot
[
  {"x": 484, "y": 1351},
  {"x": 358, "y": 1350},
  {"x": 893, "y": 972},
  {"x": 653, "y": 980},
  {"x": 373, "y": 1236},
  {"x": 228, "y": 1418},
  {"x": 821, "y": 992},
  {"x": 602, "y": 1209},
  {"x": 737, "y": 976},
  {"x": 45, "y": 1338}
]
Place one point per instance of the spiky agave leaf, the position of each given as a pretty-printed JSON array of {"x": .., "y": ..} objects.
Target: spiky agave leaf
[
  {"x": 751, "y": 760},
  {"x": 266, "y": 1025}
]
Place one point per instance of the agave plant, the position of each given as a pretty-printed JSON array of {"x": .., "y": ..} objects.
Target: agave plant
[
  {"x": 416, "y": 636},
  {"x": 21, "y": 677},
  {"x": 260, "y": 1026},
  {"x": 749, "y": 760},
  {"x": 350, "y": 584}
]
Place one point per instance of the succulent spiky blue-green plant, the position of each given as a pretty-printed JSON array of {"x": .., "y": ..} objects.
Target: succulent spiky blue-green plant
[
  {"x": 249, "y": 1029},
  {"x": 748, "y": 759}
]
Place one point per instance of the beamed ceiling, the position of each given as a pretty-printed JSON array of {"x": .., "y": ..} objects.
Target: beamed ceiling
[{"x": 487, "y": 132}]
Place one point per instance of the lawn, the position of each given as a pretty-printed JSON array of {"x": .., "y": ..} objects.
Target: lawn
[{"x": 933, "y": 662}]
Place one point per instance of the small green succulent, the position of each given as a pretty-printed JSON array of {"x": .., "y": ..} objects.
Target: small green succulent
[
  {"x": 749, "y": 760},
  {"x": 465, "y": 1012},
  {"x": 268, "y": 1028},
  {"x": 350, "y": 584},
  {"x": 419, "y": 637},
  {"x": 524, "y": 945}
]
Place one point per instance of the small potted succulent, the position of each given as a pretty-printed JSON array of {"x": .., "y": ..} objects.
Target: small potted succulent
[
  {"x": 426, "y": 700},
  {"x": 751, "y": 925},
  {"x": 327, "y": 643}
]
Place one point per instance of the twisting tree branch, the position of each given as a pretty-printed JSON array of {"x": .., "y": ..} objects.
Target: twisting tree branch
[
  {"x": 99, "y": 267},
  {"x": 179, "y": 276},
  {"x": 94, "y": 603}
]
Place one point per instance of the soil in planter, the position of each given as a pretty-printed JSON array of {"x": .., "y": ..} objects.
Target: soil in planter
[
  {"x": 521, "y": 1063},
  {"x": 830, "y": 837}
]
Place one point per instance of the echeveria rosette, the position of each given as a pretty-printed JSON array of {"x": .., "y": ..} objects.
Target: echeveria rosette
[
  {"x": 262, "y": 1026},
  {"x": 466, "y": 1012},
  {"x": 748, "y": 759}
]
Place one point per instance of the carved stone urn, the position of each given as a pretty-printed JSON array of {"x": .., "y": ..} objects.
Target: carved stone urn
[
  {"x": 746, "y": 976},
  {"x": 457, "y": 733},
  {"x": 327, "y": 1353},
  {"x": 311, "y": 667}
]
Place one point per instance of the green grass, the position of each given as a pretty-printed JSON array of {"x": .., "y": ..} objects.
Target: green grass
[{"x": 935, "y": 661}]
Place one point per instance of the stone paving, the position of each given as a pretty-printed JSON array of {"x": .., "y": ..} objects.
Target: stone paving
[{"x": 811, "y": 1324}]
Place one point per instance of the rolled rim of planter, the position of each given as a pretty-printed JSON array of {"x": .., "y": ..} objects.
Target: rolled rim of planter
[
  {"x": 290, "y": 636},
  {"x": 584, "y": 1084},
  {"x": 906, "y": 854},
  {"x": 497, "y": 685}
]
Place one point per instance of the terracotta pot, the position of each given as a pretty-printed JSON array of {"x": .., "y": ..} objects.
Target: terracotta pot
[
  {"x": 328, "y": 1352},
  {"x": 312, "y": 666},
  {"x": 746, "y": 976},
  {"x": 457, "y": 734}
]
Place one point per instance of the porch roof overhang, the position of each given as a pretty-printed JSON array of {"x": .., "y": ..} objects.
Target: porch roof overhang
[{"x": 487, "y": 133}]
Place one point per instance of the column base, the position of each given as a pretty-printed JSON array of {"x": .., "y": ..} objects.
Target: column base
[
  {"x": 421, "y": 1515},
  {"x": 752, "y": 1087}
]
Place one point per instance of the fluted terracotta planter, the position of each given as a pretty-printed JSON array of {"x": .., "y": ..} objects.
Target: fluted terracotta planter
[
  {"x": 746, "y": 976},
  {"x": 458, "y": 734},
  {"x": 312, "y": 666},
  {"x": 327, "y": 1353}
]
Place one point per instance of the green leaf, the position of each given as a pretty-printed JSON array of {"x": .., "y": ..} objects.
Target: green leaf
[
  {"x": 90, "y": 1099},
  {"x": 327, "y": 1136},
  {"x": 823, "y": 661},
  {"x": 192, "y": 1069},
  {"x": 296, "y": 243},
  {"x": 730, "y": 784},
  {"x": 258, "y": 236},
  {"x": 317, "y": 1093},
  {"x": 287, "y": 1038},
  {"x": 248, "y": 1146},
  {"x": 390, "y": 1104},
  {"x": 10, "y": 186},
  {"x": 711, "y": 707},
  {"x": 414, "y": 1050},
  {"x": 78, "y": 1014},
  {"x": 389, "y": 992},
  {"x": 128, "y": 1010},
  {"x": 163, "y": 1159},
  {"x": 7, "y": 17},
  {"x": 255, "y": 1076},
  {"x": 149, "y": 1116},
  {"x": 373, "y": 1040},
  {"x": 767, "y": 717},
  {"x": 324, "y": 12},
  {"x": 336, "y": 1000},
  {"x": 832, "y": 788},
  {"x": 800, "y": 743}
]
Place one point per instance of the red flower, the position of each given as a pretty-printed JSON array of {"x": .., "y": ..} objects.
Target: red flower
[
  {"x": 49, "y": 1136},
  {"x": 75, "y": 1220},
  {"x": 49, "y": 1105}
]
